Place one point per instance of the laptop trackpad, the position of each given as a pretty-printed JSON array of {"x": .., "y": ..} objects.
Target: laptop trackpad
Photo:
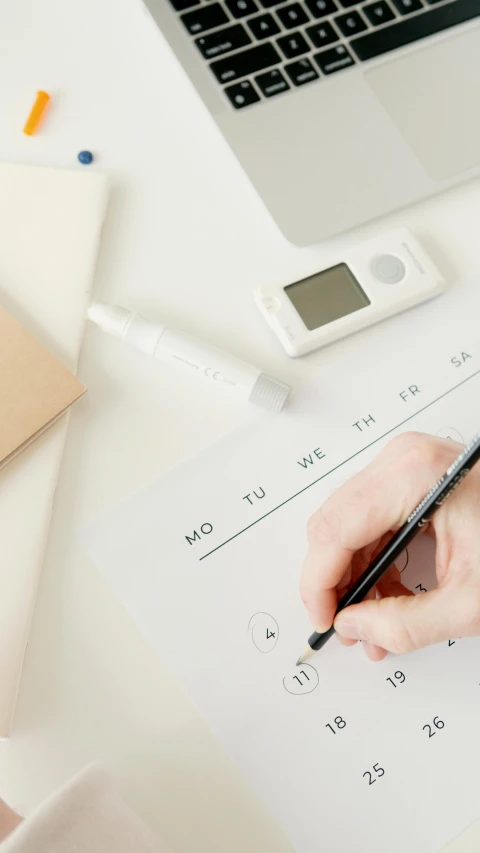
[{"x": 433, "y": 96}]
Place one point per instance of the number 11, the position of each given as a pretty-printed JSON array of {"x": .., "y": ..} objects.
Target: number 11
[{"x": 302, "y": 672}]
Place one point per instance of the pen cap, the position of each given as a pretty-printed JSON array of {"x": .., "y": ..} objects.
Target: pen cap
[
  {"x": 111, "y": 318},
  {"x": 130, "y": 327},
  {"x": 143, "y": 334}
]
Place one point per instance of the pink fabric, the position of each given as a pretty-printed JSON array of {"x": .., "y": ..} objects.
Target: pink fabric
[{"x": 86, "y": 816}]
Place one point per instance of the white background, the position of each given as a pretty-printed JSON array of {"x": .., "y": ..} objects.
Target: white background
[{"x": 186, "y": 239}]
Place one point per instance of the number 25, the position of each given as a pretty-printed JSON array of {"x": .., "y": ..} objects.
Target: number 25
[{"x": 378, "y": 770}]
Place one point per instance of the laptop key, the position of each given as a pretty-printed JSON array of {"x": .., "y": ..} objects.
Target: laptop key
[
  {"x": 405, "y": 7},
  {"x": 322, "y": 34},
  {"x": 223, "y": 41},
  {"x": 334, "y": 59},
  {"x": 347, "y": 3},
  {"x": 321, "y": 8},
  {"x": 293, "y": 45},
  {"x": 378, "y": 13},
  {"x": 272, "y": 83},
  {"x": 351, "y": 23},
  {"x": 263, "y": 27},
  {"x": 181, "y": 5},
  {"x": 240, "y": 8},
  {"x": 242, "y": 94},
  {"x": 244, "y": 63},
  {"x": 292, "y": 16},
  {"x": 268, "y": 3},
  {"x": 204, "y": 18},
  {"x": 412, "y": 29},
  {"x": 301, "y": 72}
]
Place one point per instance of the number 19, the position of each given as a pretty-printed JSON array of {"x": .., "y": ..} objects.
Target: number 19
[{"x": 400, "y": 677}]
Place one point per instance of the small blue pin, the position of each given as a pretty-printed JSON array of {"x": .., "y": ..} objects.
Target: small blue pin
[{"x": 85, "y": 157}]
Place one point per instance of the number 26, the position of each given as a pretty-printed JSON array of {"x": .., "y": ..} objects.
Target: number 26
[
  {"x": 378, "y": 770},
  {"x": 439, "y": 724}
]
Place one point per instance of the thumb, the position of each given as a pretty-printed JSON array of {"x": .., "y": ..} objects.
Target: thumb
[{"x": 406, "y": 623}]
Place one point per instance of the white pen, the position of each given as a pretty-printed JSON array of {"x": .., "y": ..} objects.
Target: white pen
[{"x": 178, "y": 348}]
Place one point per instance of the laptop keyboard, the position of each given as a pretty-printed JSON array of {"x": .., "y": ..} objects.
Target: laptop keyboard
[{"x": 261, "y": 48}]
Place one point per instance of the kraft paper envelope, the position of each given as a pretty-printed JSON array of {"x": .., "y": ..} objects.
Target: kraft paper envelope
[{"x": 35, "y": 388}]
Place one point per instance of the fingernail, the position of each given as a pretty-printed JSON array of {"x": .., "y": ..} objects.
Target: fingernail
[
  {"x": 322, "y": 629},
  {"x": 349, "y": 630}
]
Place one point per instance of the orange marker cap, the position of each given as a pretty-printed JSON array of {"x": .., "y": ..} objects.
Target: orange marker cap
[{"x": 36, "y": 113}]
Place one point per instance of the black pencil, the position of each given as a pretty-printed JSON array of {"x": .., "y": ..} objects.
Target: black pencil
[{"x": 420, "y": 516}]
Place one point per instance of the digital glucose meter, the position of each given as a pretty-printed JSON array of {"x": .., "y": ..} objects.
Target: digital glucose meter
[{"x": 369, "y": 283}]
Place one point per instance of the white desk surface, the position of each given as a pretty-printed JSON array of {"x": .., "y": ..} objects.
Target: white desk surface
[{"x": 186, "y": 237}]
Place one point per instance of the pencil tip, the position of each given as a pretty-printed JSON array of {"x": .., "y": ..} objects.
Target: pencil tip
[{"x": 305, "y": 654}]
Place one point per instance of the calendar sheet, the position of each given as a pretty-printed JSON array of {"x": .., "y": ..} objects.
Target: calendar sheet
[{"x": 346, "y": 754}]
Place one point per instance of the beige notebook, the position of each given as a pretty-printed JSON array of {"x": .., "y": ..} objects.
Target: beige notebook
[
  {"x": 50, "y": 222},
  {"x": 35, "y": 388}
]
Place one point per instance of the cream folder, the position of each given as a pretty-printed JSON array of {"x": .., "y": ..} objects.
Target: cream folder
[{"x": 50, "y": 222}]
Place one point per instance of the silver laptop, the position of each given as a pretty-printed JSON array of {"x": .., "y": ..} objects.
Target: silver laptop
[{"x": 338, "y": 110}]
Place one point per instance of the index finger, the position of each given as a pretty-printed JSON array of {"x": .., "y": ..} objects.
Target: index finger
[{"x": 373, "y": 502}]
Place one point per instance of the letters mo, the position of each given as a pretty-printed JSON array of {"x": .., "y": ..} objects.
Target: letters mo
[{"x": 205, "y": 529}]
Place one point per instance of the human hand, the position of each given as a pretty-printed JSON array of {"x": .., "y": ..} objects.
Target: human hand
[
  {"x": 355, "y": 523},
  {"x": 9, "y": 820}
]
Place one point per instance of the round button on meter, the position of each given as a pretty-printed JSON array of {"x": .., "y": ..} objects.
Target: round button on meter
[{"x": 388, "y": 268}]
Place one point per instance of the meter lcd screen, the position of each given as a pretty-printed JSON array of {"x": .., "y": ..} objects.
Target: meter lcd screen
[{"x": 327, "y": 296}]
